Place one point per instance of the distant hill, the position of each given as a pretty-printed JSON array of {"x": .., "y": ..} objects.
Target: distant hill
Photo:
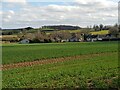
[
  {"x": 61, "y": 27},
  {"x": 27, "y": 28},
  {"x": 14, "y": 31}
]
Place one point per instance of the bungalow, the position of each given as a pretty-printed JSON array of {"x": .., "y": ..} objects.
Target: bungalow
[
  {"x": 74, "y": 39},
  {"x": 24, "y": 41},
  {"x": 91, "y": 38},
  {"x": 64, "y": 40}
]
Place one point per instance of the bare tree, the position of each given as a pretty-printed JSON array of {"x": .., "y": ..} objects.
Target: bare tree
[{"x": 114, "y": 31}]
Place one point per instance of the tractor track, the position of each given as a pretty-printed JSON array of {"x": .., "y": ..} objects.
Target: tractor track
[{"x": 53, "y": 60}]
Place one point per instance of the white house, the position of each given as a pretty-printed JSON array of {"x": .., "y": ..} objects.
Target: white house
[
  {"x": 24, "y": 41},
  {"x": 99, "y": 39},
  {"x": 64, "y": 40},
  {"x": 74, "y": 39}
]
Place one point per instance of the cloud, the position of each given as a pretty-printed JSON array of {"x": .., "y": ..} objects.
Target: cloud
[
  {"x": 11, "y": 12},
  {"x": 15, "y": 1},
  {"x": 79, "y": 12},
  {"x": 7, "y": 16},
  {"x": 0, "y": 12}
]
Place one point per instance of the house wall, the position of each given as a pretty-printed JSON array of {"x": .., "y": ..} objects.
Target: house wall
[{"x": 24, "y": 41}]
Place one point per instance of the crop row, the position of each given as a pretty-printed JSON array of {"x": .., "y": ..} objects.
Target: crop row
[
  {"x": 31, "y": 52},
  {"x": 96, "y": 72}
]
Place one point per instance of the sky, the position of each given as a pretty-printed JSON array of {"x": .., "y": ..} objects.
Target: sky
[{"x": 36, "y": 13}]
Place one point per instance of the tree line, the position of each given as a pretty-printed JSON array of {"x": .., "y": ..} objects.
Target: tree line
[{"x": 41, "y": 36}]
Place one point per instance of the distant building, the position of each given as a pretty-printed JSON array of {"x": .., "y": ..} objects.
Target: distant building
[
  {"x": 74, "y": 39},
  {"x": 64, "y": 40},
  {"x": 24, "y": 41},
  {"x": 91, "y": 38}
]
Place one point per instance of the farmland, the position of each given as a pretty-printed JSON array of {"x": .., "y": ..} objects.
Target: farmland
[
  {"x": 103, "y": 32},
  {"x": 91, "y": 65},
  {"x": 15, "y": 53}
]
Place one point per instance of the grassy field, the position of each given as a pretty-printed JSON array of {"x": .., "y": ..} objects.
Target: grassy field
[
  {"x": 20, "y": 53},
  {"x": 92, "y": 71},
  {"x": 97, "y": 72},
  {"x": 103, "y": 32}
]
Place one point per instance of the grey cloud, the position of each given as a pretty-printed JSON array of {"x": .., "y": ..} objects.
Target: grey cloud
[{"x": 80, "y": 13}]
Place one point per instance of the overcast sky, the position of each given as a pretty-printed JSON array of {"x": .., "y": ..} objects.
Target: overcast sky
[{"x": 35, "y": 13}]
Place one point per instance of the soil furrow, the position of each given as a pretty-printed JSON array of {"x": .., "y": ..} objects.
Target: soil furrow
[{"x": 54, "y": 60}]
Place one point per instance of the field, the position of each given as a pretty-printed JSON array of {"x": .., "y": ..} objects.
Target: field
[
  {"x": 71, "y": 31},
  {"x": 31, "y": 52},
  {"x": 61, "y": 65},
  {"x": 103, "y": 32}
]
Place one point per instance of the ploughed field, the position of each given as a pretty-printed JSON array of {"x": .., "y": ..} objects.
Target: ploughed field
[{"x": 61, "y": 65}]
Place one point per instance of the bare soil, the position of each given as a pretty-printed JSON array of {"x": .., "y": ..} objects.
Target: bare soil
[{"x": 54, "y": 60}]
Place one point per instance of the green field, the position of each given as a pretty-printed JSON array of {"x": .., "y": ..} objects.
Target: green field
[
  {"x": 97, "y": 69},
  {"x": 103, "y": 32},
  {"x": 21, "y": 53}
]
